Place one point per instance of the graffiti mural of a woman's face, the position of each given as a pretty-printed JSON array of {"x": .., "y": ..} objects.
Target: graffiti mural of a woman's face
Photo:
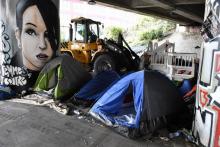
[
  {"x": 33, "y": 40},
  {"x": 37, "y": 32}
]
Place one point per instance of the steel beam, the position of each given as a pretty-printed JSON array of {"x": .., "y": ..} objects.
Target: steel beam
[{"x": 174, "y": 9}]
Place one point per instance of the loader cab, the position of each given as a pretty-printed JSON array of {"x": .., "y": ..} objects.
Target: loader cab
[
  {"x": 84, "y": 30},
  {"x": 83, "y": 34}
]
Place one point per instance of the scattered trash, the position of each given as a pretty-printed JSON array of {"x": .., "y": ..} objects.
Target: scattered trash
[
  {"x": 76, "y": 112},
  {"x": 175, "y": 134},
  {"x": 182, "y": 133},
  {"x": 80, "y": 117},
  {"x": 164, "y": 138}
]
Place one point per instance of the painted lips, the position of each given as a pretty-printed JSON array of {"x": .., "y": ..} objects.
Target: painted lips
[{"x": 42, "y": 56}]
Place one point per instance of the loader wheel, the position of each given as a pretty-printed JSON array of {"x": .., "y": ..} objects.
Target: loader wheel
[{"x": 103, "y": 63}]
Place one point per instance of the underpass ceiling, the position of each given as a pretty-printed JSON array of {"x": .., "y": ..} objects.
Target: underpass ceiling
[{"x": 185, "y": 12}]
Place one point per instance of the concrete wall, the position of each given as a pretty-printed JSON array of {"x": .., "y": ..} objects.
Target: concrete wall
[{"x": 186, "y": 39}]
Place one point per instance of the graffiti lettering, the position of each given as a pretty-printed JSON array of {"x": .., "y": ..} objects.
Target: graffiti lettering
[
  {"x": 215, "y": 96},
  {"x": 218, "y": 63},
  {"x": 208, "y": 98},
  {"x": 5, "y": 48},
  {"x": 216, "y": 8},
  {"x": 203, "y": 127},
  {"x": 11, "y": 75},
  {"x": 217, "y": 131},
  {"x": 18, "y": 81},
  {"x": 203, "y": 98},
  {"x": 214, "y": 5},
  {"x": 11, "y": 71}
]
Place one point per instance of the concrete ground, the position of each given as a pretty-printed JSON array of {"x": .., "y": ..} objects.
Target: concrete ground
[{"x": 23, "y": 125}]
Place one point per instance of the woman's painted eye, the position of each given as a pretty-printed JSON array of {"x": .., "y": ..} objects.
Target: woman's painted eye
[{"x": 31, "y": 32}]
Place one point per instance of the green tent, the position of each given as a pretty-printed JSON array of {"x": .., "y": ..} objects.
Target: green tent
[{"x": 64, "y": 76}]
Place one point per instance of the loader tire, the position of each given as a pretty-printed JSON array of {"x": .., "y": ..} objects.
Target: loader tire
[{"x": 103, "y": 63}]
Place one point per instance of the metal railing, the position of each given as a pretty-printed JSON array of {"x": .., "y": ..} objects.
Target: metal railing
[{"x": 177, "y": 66}]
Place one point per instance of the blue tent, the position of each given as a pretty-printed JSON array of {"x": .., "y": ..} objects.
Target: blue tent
[
  {"x": 96, "y": 87},
  {"x": 154, "y": 97}
]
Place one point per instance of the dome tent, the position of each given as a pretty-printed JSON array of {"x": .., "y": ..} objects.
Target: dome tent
[
  {"x": 64, "y": 76},
  {"x": 155, "y": 98}
]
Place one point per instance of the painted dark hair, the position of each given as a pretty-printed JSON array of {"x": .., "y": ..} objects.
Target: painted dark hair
[{"x": 50, "y": 15}]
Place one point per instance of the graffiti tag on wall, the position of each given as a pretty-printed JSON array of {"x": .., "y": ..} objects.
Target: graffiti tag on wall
[
  {"x": 5, "y": 49},
  {"x": 9, "y": 75},
  {"x": 207, "y": 118},
  {"x": 206, "y": 127}
]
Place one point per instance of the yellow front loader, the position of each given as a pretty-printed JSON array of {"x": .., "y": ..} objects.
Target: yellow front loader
[{"x": 97, "y": 54}]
